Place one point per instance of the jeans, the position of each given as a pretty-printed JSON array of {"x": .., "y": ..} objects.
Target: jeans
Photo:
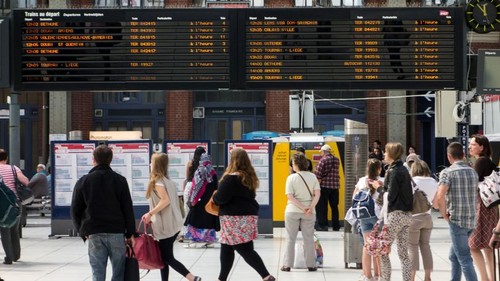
[
  {"x": 328, "y": 196},
  {"x": 460, "y": 257},
  {"x": 102, "y": 246}
]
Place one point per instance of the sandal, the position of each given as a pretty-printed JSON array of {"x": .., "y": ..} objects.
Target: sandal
[{"x": 285, "y": 268}]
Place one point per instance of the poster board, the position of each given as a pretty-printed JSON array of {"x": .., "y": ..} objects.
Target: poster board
[
  {"x": 70, "y": 161},
  {"x": 131, "y": 159}
]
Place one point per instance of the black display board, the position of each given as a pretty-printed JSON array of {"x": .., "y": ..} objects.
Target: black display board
[
  {"x": 4, "y": 53},
  {"x": 306, "y": 48},
  {"x": 488, "y": 70}
]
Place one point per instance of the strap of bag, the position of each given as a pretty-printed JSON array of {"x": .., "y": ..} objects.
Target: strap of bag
[
  {"x": 495, "y": 265},
  {"x": 145, "y": 228},
  {"x": 14, "y": 173},
  {"x": 307, "y": 186},
  {"x": 414, "y": 184}
]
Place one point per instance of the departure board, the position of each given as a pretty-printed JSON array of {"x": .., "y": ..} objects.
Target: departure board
[
  {"x": 357, "y": 48},
  {"x": 225, "y": 49},
  {"x": 129, "y": 49},
  {"x": 4, "y": 53}
]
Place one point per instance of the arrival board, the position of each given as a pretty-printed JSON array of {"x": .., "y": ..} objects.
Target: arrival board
[{"x": 224, "y": 49}]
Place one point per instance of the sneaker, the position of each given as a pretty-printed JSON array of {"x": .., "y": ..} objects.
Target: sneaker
[{"x": 197, "y": 278}]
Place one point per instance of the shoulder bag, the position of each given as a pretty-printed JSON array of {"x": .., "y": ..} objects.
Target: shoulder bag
[
  {"x": 211, "y": 207},
  {"x": 131, "y": 265},
  {"x": 147, "y": 251},
  {"x": 24, "y": 193},
  {"x": 8, "y": 206},
  {"x": 489, "y": 190},
  {"x": 420, "y": 202}
]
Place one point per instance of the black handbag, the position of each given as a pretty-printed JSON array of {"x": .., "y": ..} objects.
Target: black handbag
[
  {"x": 24, "y": 193},
  {"x": 131, "y": 265}
]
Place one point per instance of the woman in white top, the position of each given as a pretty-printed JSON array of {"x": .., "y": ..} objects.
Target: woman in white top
[
  {"x": 367, "y": 183},
  {"x": 421, "y": 225},
  {"x": 303, "y": 191}
]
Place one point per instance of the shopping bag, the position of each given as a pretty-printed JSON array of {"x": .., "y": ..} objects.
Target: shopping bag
[
  {"x": 319, "y": 252},
  {"x": 378, "y": 243},
  {"x": 147, "y": 250},
  {"x": 299, "y": 261},
  {"x": 131, "y": 265}
]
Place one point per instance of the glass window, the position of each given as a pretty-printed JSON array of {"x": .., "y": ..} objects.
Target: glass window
[
  {"x": 117, "y": 126},
  {"x": 144, "y": 127}
]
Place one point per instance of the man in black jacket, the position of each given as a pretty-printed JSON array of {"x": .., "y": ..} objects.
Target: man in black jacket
[{"x": 102, "y": 213}]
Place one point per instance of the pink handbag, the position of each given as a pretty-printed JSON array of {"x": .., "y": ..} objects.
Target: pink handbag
[{"x": 147, "y": 251}]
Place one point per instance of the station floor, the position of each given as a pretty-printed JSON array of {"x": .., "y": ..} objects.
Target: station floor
[{"x": 65, "y": 258}]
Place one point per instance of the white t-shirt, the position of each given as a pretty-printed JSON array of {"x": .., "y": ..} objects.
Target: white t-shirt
[
  {"x": 428, "y": 185},
  {"x": 363, "y": 186},
  {"x": 296, "y": 186}
]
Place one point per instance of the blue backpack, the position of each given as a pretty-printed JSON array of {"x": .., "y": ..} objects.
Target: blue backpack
[
  {"x": 363, "y": 206},
  {"x": 9, "y": 210}
]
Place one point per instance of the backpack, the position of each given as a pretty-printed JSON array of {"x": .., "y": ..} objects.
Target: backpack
[
  {"x": 9, "y": 210},
  {"x": 363, "y": 205},
  {"x": 489, "y": 190}
]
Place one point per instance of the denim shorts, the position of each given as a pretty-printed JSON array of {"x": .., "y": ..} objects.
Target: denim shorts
[{"x": 367, "y": 224}]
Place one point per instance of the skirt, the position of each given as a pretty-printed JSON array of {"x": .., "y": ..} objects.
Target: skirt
[
  {"x": 238, "y": 229},
  {"x": 200, "y": 234}
]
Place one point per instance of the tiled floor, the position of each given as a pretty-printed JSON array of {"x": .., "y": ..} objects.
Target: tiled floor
[{"x": 65, "y": 258}]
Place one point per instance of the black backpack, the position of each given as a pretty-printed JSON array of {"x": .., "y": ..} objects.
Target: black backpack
[{"x": 9, "y": 210}]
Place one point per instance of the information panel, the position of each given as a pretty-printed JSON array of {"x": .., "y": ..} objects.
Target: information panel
[
  {"x": 218, "y": 49},
  {"x": 131, "y": 160},
  {"x": 354, "y": 48},
  {"x": 72, "y": 160},
  {"x": 110, "y": 49}
]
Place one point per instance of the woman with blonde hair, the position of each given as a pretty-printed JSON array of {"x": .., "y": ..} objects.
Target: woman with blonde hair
[
  {"x": 421, "y": 225},
  {"x": 399, "y": 206},
  {"x": 165, "y": 214},
  {"x": 238, "y": 215}
]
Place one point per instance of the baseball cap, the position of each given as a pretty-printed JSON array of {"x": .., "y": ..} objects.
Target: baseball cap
[
  {"x": 412, "y": 157},
  {"x": 325, "y": 147}
]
